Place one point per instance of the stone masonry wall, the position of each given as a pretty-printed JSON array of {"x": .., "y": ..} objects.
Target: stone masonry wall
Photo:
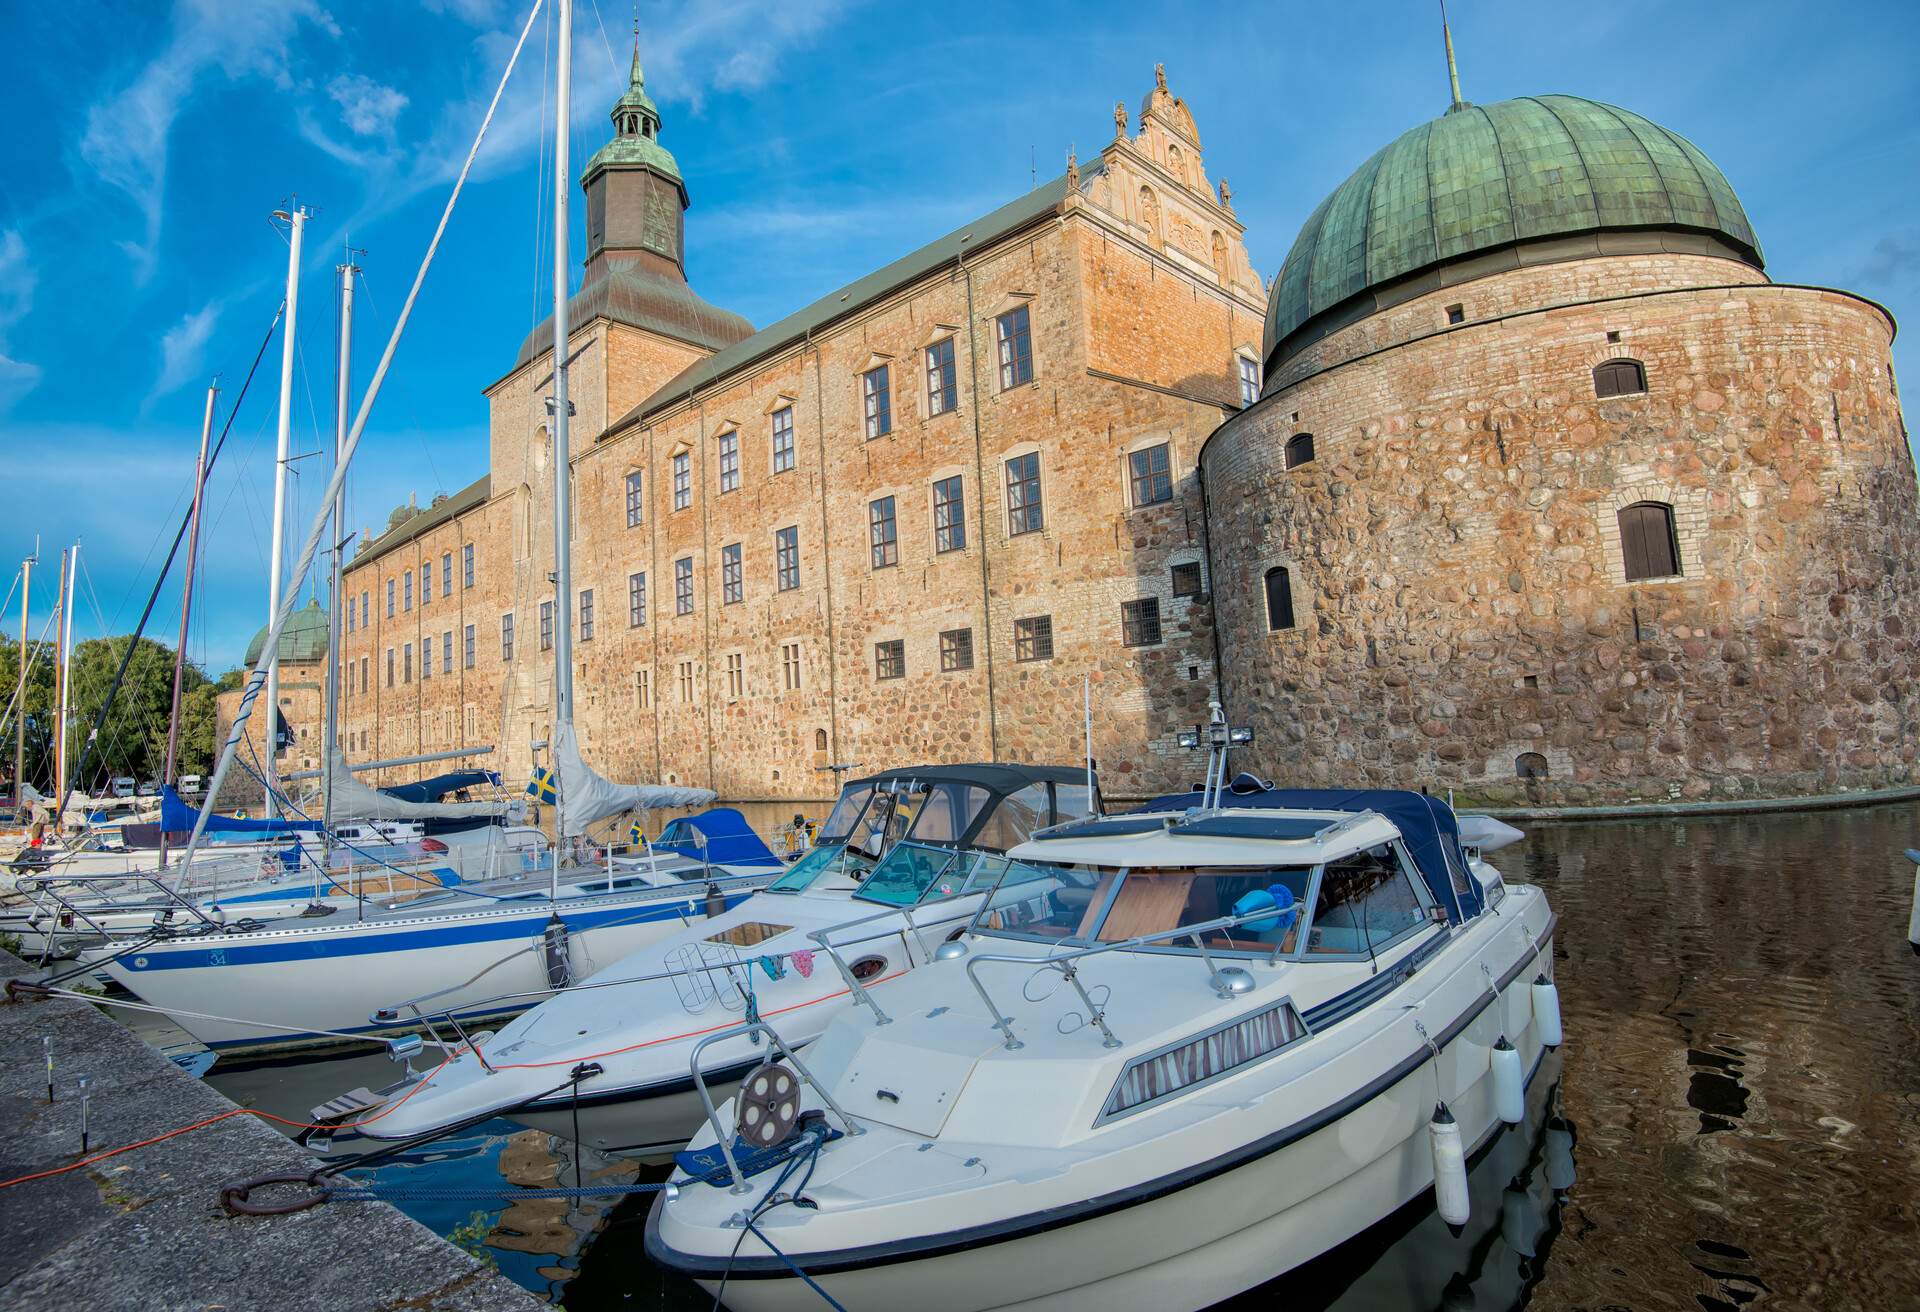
[{"x": 1458, "y": 585}]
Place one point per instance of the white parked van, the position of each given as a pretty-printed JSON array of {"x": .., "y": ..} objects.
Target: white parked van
[
  {"x": 123, "y": 786},
  {"x": 190, "y": 785}
]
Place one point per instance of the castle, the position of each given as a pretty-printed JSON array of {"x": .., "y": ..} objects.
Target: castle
[{"x": 1523, "y": 481}]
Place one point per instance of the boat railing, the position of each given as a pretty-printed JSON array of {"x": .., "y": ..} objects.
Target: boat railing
[
  {"x": 1225, "y": 982},
  {"x": 79, "y": 909},
  {"x": 824, "y": 937},
  {"x": 775, "y": 1044}
]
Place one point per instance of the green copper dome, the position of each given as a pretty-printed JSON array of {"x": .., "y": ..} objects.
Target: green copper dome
[
  {"x": 1495, "y": 178},
  {"x": 302, "y": 642},
  {"x": 636, "y": 140}
]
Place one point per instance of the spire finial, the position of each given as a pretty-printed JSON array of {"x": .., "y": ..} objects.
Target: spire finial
[{"x": 1453, "y": 69}]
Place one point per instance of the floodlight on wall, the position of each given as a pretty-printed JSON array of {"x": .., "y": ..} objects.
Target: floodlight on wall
[{"x": 1189, "y": 739}]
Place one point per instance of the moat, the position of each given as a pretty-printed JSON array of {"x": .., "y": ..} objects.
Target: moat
[{"x": 1731, "y": 1124}]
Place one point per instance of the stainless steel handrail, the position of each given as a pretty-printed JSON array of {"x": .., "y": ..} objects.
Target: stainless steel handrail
[
  {"x": 1004, "y": 1023},
  {"x": 776, "y": 1043},
  {"x": 822, "y": 936},
  {"x": 171, "y": 897}
]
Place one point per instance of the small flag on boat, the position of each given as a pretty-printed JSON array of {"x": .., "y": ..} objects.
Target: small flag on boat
[
  {"x": 543, "y": 787},
  {"x": 636, "y": 835},
  {"x": 802, "y": 959}
]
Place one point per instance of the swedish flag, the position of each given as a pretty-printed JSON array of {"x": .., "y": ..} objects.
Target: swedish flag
[
  {"x": 544, "y": 786},
  {"x": 636, "y": 835}
]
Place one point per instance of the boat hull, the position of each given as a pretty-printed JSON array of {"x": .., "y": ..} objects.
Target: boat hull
[{"x": 1184, "y": 1241}]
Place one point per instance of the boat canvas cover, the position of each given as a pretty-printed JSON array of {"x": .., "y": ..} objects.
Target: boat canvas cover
[
  {"x": 587, "y": 797},
  {"x": 1426, "y": 823},
  {"x": 432, "y": 790},
  {"x": 724, "y": 837},
  {"x": 353, "y": 800},
  {"x": 176, "y": 817}
]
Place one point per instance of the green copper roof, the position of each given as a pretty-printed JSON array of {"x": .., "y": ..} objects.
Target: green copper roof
[
  {"x": 302, "y": 642},
  {"x": 635, "y": 148},
  {"x": 1479, "y": 178}
]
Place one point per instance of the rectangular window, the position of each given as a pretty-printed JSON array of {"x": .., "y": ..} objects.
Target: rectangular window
[
  {"x": 636, "y": 600},
  {"x": 1016, "y": 348},
  {"x": 446, "y": 573},
  {"x": 683, "y": 480},
  {"x": 686, "y": 681},
  {"x": 878, "y": 402},
  {"x": 643, "y": 688},
  {"x": 406, "y": 663},
  {"x": 736, "y": 675},
  {"x": 389, "y": 667},
  {"x": 473, "y": 722},
  {"x": 783, "y": 439},
  {"x": 446, "y": 654},
  {"x": 390, "y": 586},
  {"x": 790, "y": 665},
  {"x": 732, "y": 583},
  {"x": 466, "y": 648},
  {"x": 426, "y": 580},
  {"x": 1149, "y": 475},
  {"x": 506, "y": 636},
  {"x": 586, "y": 614},
  {"x": 363, "y": 608},
  {"x": 943, "y": 389},
  {"x": 546, "y": 626},
  {"x": 729, "y": 461},
  {"x": 1140, "y": 622},
  {"x": 786, "y": 557},
  {"x": 1186, "y": 579},
  {"x": 949, "y": 515},
  {"x": 683, "y": 586},
  {"x": 882, "y": 533},
  {"x": 1249, "y": 380},
  {"x": 363, "y": 674},
  {"x": 956, "y": 650},
  {"x": 426, "y": 659},
  {"x": 406, "y": 590},
  {"x": 636, "y": 499},
  {"x": 466, "y": 566},
  {"x": 1033, "y": 638},
  {"x": 890, "y": 659},
  {"x": 1024, "y": 511},
  {"x": 349, "y": 617}
]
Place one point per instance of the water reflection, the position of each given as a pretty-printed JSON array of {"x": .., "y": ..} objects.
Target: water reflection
[{"x": 1742, "y": 1064}]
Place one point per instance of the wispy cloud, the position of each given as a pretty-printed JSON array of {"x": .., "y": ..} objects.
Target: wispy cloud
[
  {"x": 1891, "y": 262},
  {"x": 183, "y": 349},
  {"x": 18, "y": 278},
  {"x": 366, "y": 107},
  {"x": 126, "y": 138}
]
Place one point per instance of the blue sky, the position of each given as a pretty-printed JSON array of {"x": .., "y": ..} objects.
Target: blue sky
[{"x": 147, "y": 144}]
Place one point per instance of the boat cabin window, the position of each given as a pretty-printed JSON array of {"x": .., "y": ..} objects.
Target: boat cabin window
[
  {"x": 1073, "y": 802},
  {"x": 946, "y": 812},
  {"x": 823, "y": 859},
  {"x": 912, "y": 873},
  {"x": 845, "y": 812},
  {"x": 1366, "y": 901},
  {"x": 1014, "y": 819},
  {"x": 748, "y": 933},
  {"x": 1089, "y": 904}
]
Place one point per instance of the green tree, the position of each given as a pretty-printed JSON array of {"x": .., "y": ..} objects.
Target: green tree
[
  {"x": 199, "y": 723},
  {"x": 37, "y": 722},
  {"x": 133, "y": 739}
]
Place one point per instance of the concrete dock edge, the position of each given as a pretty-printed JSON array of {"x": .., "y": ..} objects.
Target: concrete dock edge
[{"x": 145, "y": 1230}]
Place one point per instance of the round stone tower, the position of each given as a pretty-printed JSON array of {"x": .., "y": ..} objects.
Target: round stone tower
[{"x": 1552, "y": 496}]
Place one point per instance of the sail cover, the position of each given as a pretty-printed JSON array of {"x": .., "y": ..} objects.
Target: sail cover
[
  {"x": 353, "y": 800},
  {"x": 176, "y": 817},
  {"x": 588, "y": 798}
]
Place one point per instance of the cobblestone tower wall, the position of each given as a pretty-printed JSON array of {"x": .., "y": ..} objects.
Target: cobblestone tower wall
[{"x": 1459, "y": 588}]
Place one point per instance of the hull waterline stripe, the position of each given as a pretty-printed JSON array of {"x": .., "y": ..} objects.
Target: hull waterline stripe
[{"x": 702, "y": 1267}]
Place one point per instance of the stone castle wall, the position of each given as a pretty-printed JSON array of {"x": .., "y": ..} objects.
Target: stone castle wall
[
  {"x": 1458, "y": 583},
  {"x": 302, "y": 702}
]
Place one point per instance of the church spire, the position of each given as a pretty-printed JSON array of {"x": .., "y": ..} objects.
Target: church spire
[{"x": 1453, "y": 69}]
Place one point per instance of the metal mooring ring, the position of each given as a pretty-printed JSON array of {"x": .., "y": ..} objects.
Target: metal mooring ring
[{"x": 235, "y": 1198}]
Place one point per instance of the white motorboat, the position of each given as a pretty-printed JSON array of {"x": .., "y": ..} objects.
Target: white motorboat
[
  {"x": 1189, "y": 1049},
  {"x": 791, "y": 951}
]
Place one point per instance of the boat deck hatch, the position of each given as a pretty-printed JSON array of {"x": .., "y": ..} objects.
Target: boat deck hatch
[{"x": 913, "y": 1086}]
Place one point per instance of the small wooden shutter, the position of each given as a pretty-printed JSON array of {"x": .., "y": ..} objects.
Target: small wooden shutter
[
  {"x": 1646, "y": 541},
  {"x": 1299, "y": 449},
  {"x": 1279, "y": 599},
  {"x": 1619, "y": 378}
]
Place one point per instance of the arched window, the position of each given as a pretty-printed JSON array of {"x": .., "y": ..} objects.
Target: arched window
[
  {"x": 1647, "y": 541},
  {"x": 1299, "y": 450},
  {"x": 1530, "y": 765},
  {"x": 1619, "y": 378},
  {"x": 1279, "y": 599},
  {"x": 819, "y": 740}
]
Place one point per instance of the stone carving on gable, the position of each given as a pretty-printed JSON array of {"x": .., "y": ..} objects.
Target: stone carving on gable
[
  {"x": 1119, "y": 120},
  {"x": 1186, "y": 234}
]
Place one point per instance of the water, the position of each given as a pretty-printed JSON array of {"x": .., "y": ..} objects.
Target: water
[{"x": 1733, "y": 1124}]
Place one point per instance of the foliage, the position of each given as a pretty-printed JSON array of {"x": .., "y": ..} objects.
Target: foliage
[{"x": 471, "y": 1238}]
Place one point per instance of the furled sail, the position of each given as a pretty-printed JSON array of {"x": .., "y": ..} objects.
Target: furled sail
[
  {"x": 353, "y": 800},
  {"x": 587, "y": 797}
]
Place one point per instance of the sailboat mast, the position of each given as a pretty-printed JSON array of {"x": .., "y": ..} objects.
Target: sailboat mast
[
  {"x": 336, "y": 627},
  {"x": 20, "y": 698},
  {"x": 562, "y": 411},
  {"x": 186, "y": 607},
  {"x": 63, "y": 634},
  {"x": 298, "y": 220}
]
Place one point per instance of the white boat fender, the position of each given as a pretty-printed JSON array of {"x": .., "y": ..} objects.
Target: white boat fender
[
  {"x": 1516, "y": 1220},
  {"x": 1558, "y": 1153},
  {"x": 1913, "y": 916},
  {"x": 1449, "y": 1168},
  {"x": 553, "y": 947},
  {"x": 1546, "y": 1011},
  {"x": 1509, "y": 1083}
]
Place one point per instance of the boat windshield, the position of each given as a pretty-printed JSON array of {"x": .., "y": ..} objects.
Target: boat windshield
[
  {"x": 1096, "y": 904},
  {"x": 827, "y": 858},
  {"x": 907, "y": 875},
  {"x": 845, "y": 812}
]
